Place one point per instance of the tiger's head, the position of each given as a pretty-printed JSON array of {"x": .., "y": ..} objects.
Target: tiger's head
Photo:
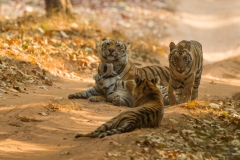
[
  {"x": 113, "y": 50},
  {"x": 180, "y": 57},
  {"x": 144, "y": 87}
]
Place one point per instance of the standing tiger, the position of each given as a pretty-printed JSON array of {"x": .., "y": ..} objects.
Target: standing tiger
[
  {"x": 115, "y": 52},
  {"x": 185, "y": 63},
  {"x": 147, "y": 114}
]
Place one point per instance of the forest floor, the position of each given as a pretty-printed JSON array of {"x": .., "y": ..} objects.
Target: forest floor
[{"x": 42, "y": 61}]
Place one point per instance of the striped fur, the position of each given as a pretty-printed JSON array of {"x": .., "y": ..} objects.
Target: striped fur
[
  {"x": 104, "y": 81},
  {"x": 115, "y": 52},
  {"x": 185, "y": 63},
  {"x": 120, "y": 95},
  {"x": 147, "y": 114}
]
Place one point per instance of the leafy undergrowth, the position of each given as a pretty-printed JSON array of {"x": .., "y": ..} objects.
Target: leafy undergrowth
[
  {"x": 14, "y": 74},
  {"x": 209, "y": 131},
  {"x": 35, "y": 49}
]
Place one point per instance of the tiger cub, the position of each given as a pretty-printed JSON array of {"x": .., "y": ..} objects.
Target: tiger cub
[
  {"x": 185, "y": 63},
  {"x": 104, "y": 82},
  {"x": 115, "y": 52},
  {"x": 147, "y": 114}
]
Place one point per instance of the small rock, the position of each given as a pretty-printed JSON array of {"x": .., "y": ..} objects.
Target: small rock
[
  {"x": 230, "y": 110},
  {"x": 19, "y": 89},
  {"x": 66, "y": 152},
  {"x": 43, "y": 87},
  {"x": 58, "y": 98},
  {"x": 13, "y": 90},
  {"x": 3, "y": 91},
  {"x": 214, "y": 106},
  {"x": 43, "y": 113},
  {"x": 48, "y": 81}
]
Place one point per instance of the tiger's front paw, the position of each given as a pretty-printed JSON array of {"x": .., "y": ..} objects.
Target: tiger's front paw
[
  {"x": 96, "y": 99},
  {"x": 116, "y": 100},
  {"x": 77, "y": 95}
]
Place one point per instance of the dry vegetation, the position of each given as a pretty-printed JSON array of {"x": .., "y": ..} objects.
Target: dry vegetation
[{"x": 40, "y": 51}]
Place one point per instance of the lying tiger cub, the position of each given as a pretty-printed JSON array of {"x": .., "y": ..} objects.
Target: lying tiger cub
[
  {"x": 185, "y": 63},
  {"x": 147, "y": 114}
]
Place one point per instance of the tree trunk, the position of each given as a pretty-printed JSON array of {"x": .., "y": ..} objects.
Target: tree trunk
[{"x": 58, "y": 6}]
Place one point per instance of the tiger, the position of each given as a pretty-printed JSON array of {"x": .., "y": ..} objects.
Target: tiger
[
  {"x": 115, "y": 52},
  {"x": 147, "y": 113},
  {"x": 185, "y": 63}
]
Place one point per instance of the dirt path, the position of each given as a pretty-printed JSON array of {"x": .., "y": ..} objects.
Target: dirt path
[
  {"x": 49, "y": 135},
  {"x": 214, "y": 23}
]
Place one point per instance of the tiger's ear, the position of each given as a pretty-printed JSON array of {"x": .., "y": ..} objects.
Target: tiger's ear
[
  {"x": 188, "y": 45},
  {"x": 104, "y": 39},
  {"x": 155, "y": 80},
  {"x": 172, "y": 46},
  {"x": 137, "y": 80},
  {"x": 128, "y": 44}
]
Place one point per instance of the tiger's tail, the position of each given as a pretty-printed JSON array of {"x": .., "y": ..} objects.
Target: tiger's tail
[
  {"x": 109, "y": 128},
  {"x": 123, "y": 129}
]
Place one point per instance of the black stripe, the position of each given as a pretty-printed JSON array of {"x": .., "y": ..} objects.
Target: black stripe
[
  {"x": 188, "y": 76},
  {"x": 159, "y": 75},
  {"x": 146, "y": 75},
  {"x": 166, "y": 77},
  {"x": 123, "y": 84},
  {"x": 150, "y": 68},
  {"x": 177, "y": 80},
  {"x": 174, "y": 87}
]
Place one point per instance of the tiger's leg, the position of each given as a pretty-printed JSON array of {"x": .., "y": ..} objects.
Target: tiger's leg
[
  {"x": 92, "y": 91},
  {"x": 179, "y": 95},
  {"x": 97, "y": 99},
  {"x": 118, "y": 100},
  {"x": 196, "y": 85},
  {"x": 164, "y": 91},
  {"x": 187, "y": 93},
  {"x": 171, "y": 96},
  {"x": 187, "y": 90}
]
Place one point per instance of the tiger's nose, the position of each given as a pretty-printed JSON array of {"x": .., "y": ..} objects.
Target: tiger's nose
[
  {"x": 180, "y": 69},
  {"x": 111, "y": 50}
]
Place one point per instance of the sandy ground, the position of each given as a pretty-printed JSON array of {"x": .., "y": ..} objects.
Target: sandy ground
[{"x": 49, "y": 135}]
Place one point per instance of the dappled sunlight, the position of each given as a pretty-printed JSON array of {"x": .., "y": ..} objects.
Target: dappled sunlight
[
  {"x": 208, "y": 21},
  {"x": 11, "y": 146},
  {"x": 215, "y": 24},
  {"x": 228, "y": 81},
  {"x": 210, "y": 57}
]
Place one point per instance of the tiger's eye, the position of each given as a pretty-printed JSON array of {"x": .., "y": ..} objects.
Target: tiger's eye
[
  {"x": 118, "y": 44},
  {"x": 185, "y": 58},
  {"x": 175, "y": 58}
]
